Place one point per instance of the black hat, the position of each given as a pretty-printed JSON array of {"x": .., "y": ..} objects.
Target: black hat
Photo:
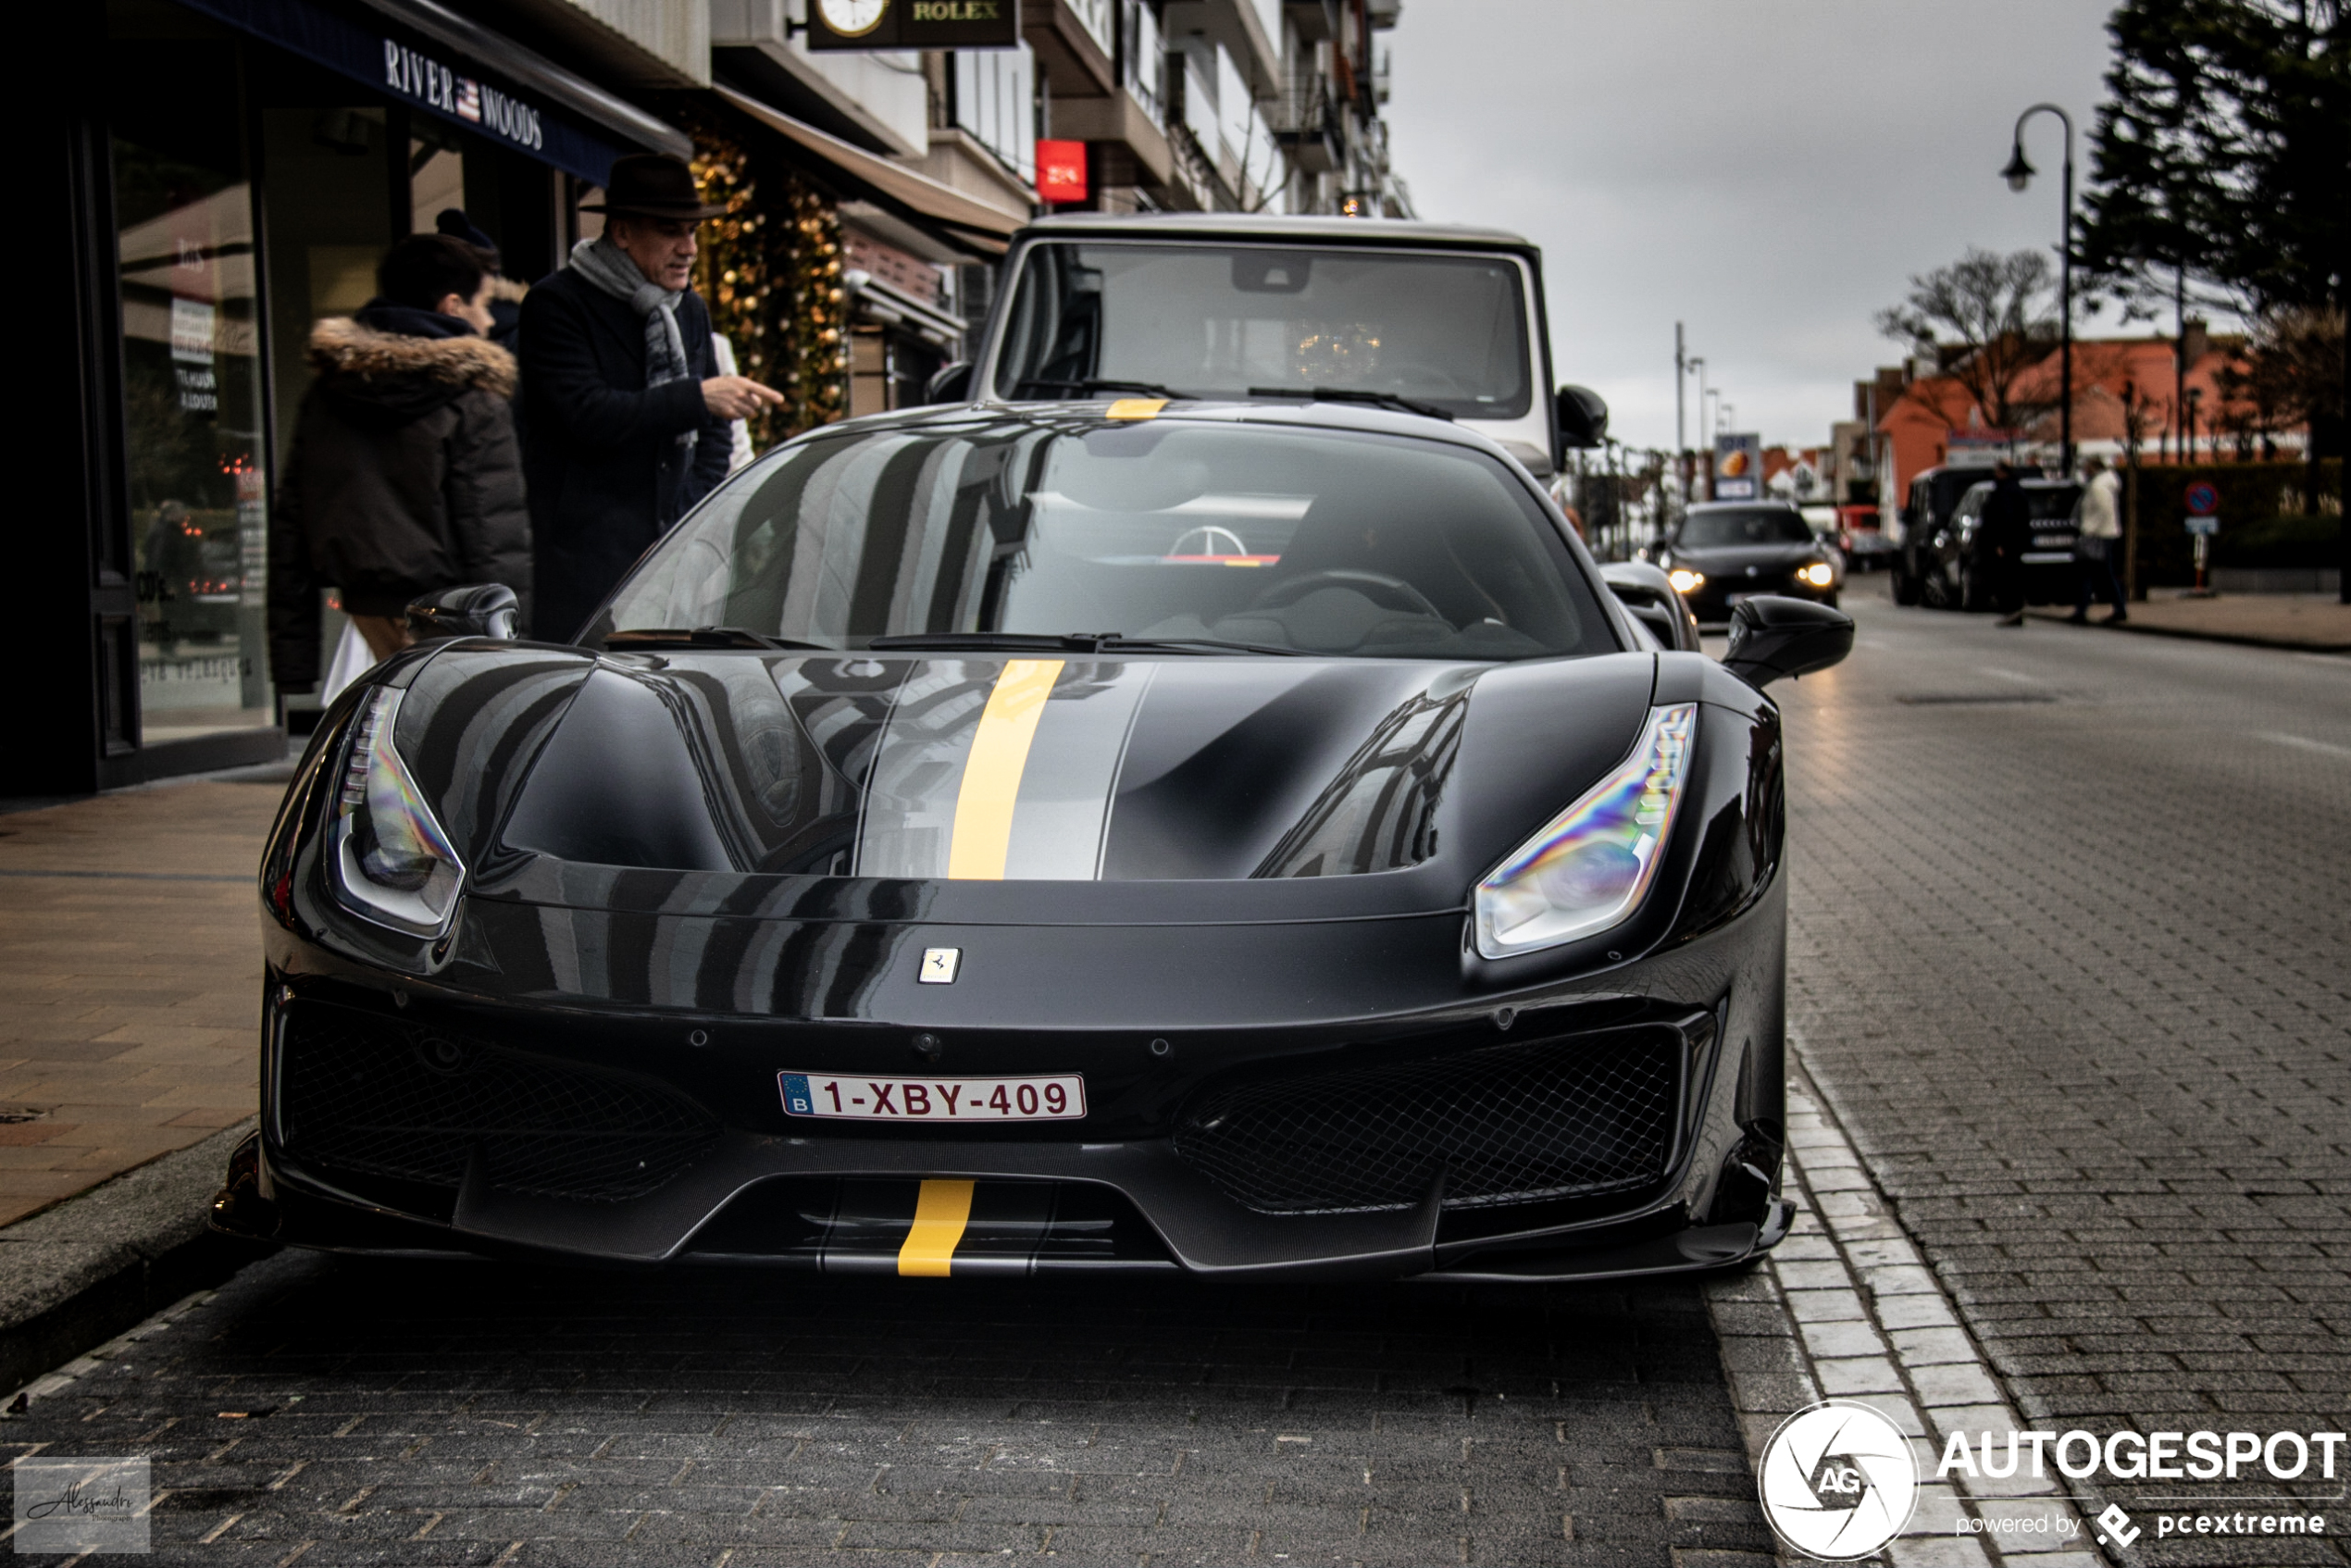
[
  {"x": 649, "y": 185},
  {"x": 462, "y": 229}
]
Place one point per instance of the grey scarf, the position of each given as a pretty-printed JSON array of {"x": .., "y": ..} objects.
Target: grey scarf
[{"x": 608, "y": 267}]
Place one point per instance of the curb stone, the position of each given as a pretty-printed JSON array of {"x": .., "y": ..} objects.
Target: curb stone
[
  {"x": 84, "y": 1270},
  {"x": 1847, "y": 1308}
]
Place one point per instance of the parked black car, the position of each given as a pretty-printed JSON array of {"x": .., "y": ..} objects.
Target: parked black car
[
  {"x": 1238, "y": 838},
  {"x": 1924, "y": 518},
  {"x": 1726, "y": 552},
  {"x": 1958, "y": 574}
]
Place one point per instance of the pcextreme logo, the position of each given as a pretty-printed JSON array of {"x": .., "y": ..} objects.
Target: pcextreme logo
[{"x": 1838, "y": 1480}]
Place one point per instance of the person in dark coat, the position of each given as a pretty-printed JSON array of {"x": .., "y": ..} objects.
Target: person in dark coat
[
  {"x": 2007, "y": 534},
  {"x": 405, "y": 477},
  {"x": 625, "y": 411},
  {"x": 506, "y": 293}
]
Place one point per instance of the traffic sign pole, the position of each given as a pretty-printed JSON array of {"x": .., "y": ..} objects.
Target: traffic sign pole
[{"x": 2204, "y": 520}]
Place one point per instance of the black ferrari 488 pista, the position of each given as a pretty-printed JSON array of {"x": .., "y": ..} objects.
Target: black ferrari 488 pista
[{"x": 1246, "y": 839}]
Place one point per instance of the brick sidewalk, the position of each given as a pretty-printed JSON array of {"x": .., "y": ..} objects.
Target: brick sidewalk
[
  {"x": 2312, "y": 621},
  {"x": 129, "y": 980}
]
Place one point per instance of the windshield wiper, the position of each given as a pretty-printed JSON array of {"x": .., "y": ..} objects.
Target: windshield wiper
[
  {"x": 1356, "y": 395},
  {"x": 1098, "y": 384},
  {"x": 708, "y": 637},
  {"x": 1066, "y": 642},
  {"x": 1109, "y": 641}
]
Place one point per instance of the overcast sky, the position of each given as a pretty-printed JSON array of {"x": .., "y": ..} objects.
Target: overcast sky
[{"x": 1770, "y": 172}]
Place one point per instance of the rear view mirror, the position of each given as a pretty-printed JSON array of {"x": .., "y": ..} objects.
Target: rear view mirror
[
  {"x": 1774, "y": 636},
  {"x": 482, "y": 609},
  {"x": 952, "y": 383},
  {"x": 1583, "y": 417}
]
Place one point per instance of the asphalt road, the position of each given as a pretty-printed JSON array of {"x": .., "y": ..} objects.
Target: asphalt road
[{"x": 2069, "y": 959}]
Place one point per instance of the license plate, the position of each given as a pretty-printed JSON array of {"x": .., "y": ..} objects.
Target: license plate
[{"x": 1060, "y": 1098}]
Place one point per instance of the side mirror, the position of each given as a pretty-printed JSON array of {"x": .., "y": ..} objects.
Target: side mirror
[
  {"x": 481, "y": 609},
  {"x": 952, "y": 384},
  {"x": 1649, "y": 593},
  {"x": 1772, "y": 636},
  {"x": 1583, "y": 417}
]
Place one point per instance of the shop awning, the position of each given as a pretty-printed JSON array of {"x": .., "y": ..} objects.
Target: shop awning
[
  {"x": 964, "y": 220},
  {"x": 438, "y": 63},
  {"x": 877, "y": 301}
]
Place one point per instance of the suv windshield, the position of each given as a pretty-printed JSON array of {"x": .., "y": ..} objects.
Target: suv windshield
[
  {"x": 2042, "y": 503},
  {"x": 1321, "y": 542},
  {"x": 1743, "y": 525},
  {"x": 1223, "y": 320}
]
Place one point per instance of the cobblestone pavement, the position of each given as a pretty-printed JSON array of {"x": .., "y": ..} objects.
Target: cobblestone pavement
[
  {"x": 2070, "y": 959},
  {"x": 332, "y": 1410}
]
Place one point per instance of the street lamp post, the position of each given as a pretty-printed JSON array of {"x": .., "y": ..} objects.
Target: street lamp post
[{"x": 2018, "y": 174}]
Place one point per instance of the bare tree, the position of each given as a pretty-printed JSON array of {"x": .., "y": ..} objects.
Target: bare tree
[
  {"x": 1986, "y": 320},
  {"x": 2291, "y": 372}
]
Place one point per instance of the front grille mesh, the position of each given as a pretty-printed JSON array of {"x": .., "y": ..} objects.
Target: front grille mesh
[
  {"x": 1506, "y": 1125},
  {"x": 413, "y": 1102}
]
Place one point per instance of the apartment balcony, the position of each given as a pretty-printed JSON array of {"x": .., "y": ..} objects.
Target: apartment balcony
[{"x": 1306, "y": 124}]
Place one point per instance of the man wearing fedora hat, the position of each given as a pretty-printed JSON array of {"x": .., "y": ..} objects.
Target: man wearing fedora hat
[{"x": 625, "y": 411}]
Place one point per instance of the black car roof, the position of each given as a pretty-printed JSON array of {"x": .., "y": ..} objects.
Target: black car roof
[{"x": 1264, "y": 227}]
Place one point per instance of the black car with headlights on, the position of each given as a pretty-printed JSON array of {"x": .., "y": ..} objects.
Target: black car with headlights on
[
  {"x": 1244, "y": 838},
  {"x": 1726, "y": 552}
]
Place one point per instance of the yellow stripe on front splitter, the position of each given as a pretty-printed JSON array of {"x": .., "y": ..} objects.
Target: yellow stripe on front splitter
[
  {"x": 983, "y": 831},
  {"x": 941, "y": 1214}
]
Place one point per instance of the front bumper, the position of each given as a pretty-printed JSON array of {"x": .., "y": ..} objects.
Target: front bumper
[{"x": 400, "y": 1122}]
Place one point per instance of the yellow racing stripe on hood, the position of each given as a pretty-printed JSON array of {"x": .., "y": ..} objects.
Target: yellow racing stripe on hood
[
  {"x": 941, "y": 1214},
  {"x": 983, "y": 831}
]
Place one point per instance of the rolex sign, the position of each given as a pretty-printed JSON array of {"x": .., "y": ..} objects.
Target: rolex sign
[{"x": 914, "y": 24}]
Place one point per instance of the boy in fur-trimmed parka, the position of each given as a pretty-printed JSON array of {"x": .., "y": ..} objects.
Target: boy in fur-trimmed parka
[{"x": 405, "y": 476}]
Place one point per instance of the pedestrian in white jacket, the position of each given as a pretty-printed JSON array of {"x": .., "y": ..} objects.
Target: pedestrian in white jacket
[{"x": 2098, "y": 540}]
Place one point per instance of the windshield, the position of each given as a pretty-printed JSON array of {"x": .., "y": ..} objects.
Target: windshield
[
  {"x": 2042, "y": 503},
  {"x": 1218, "y": 321},
  {"x": 1743, "y": 525},
  {"x": 1320, "y": 542}
]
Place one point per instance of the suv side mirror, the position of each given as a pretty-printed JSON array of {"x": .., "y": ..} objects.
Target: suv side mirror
[
  {"x": 1583, "y": 417},
  {"x": 1772, "y": 636},
  {"x": 481, "y": 609},
  {"x": 1649, "y": 593},
  {"x": 952, "y": 384}
]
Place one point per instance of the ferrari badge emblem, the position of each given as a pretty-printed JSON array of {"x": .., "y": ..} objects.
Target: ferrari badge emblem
[{"x": 940, "y": 964}]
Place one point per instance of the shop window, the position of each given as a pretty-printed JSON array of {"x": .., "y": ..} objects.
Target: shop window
[
  {"x": 192, "y": 398},
  {"x": 331, "y": 201}
]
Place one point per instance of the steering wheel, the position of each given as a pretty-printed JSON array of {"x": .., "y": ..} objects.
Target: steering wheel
[{"x": 1388, "y": 592}]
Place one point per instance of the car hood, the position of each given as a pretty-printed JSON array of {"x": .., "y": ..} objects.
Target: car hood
[
  {"x": 1725, "y": 559},
  {"x": 984, "y": 768}
]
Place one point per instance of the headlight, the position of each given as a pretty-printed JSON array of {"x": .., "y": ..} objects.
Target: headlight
[
  {"x": 1683, "y": 579},
  {"x": 393, "y": 865},
  {"x": 1819, "y": 574},
  {"x": 1591, "y": 865}
]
